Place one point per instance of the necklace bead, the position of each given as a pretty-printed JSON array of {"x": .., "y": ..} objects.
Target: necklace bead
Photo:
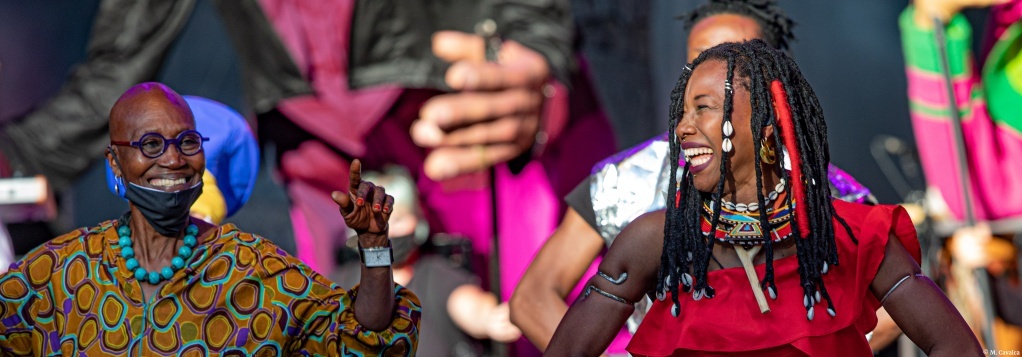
[
  {"x": 132, "y": 264},
  {"x": 140, "y": 274},
  {"x": 152, "y": 277},
  {"x": 753, "y": 207}
]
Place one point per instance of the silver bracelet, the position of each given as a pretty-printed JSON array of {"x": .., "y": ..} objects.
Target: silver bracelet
[
  {"x": 891, "y": 290},
  {"x": 616, "y": 281},
  {"x": 590, "y": 288}
]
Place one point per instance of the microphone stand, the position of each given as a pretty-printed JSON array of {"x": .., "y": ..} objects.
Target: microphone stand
[{"x": 981, "y": 275}]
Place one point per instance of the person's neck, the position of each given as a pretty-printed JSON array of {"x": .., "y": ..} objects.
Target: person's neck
[
  {"x": 150, "y": 245},
  {"x": 746, "y": 192}
]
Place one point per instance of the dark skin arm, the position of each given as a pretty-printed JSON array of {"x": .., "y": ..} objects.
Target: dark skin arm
[
  {"x": 537, "y": 305},
  {"x": 920, "y": 308},
  {"x": 366, "y": 209},
  {"x": 592, "y": 323}
]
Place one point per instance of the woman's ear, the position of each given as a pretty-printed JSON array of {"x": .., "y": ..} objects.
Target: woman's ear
[
  {"x": 768, "y": 133},
  {"x": 113, "y": 162}
]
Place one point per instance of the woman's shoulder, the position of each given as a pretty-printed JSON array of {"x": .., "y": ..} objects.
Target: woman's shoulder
[
  {"x": 871, "y": 226},
  {"x": 863, "y": 215},
  {"x": 230, "y": 238},
  {"x": 646, "y": 229},
  {"x": 87, "y": 241},
  {"x": 255, "y": 251}
]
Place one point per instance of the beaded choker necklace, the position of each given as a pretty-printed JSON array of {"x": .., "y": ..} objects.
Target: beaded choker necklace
[
  {"x": 753, "y": 207},
  {"x": 152, "y": 277},
  {"x": 743, "y": 228}
]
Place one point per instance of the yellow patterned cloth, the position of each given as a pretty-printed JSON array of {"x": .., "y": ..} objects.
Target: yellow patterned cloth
[{"x": 238, "y": 294}]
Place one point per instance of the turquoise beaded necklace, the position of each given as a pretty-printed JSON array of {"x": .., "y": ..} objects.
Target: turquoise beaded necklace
[{"x": 128, "y": 252}]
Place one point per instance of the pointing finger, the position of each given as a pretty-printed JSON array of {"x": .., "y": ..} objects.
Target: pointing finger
[{"x": 355, "y": 175}]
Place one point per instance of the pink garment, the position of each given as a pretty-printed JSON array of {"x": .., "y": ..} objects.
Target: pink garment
[
  {"x": 993, "y": 142},
  {"x": 373, "y": 125}
]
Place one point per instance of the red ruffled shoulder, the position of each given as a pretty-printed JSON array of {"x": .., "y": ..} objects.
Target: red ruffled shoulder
[{"x": 731, "y": 324}]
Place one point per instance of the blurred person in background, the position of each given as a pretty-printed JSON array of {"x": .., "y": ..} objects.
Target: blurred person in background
[
  {"x": 6, "y": 249},
  {"x": 988, "y": 94}
]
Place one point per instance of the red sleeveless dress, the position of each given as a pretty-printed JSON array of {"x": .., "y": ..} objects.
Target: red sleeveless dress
[{"x": 730, "y": 324}]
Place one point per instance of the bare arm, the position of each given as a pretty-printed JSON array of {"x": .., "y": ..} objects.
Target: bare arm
[
  {"x": 886, "y": 331},
  {"x": 920, "y": 308},
  {"x": 366, "y": 209},
  {"x": 537, "y": 305},
  {"x": 591, "y": 323},
  {"x": 477, "y": 312}
]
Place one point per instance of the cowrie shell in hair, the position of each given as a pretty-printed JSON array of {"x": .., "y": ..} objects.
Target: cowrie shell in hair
[
  {"x": 728, "y": 128},
  {"x": 726, "y": 146}
]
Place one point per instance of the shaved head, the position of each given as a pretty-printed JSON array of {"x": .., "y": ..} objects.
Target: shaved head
[
  {"x": 144, "y": 99},
  {"x": 152, "y": 109}
]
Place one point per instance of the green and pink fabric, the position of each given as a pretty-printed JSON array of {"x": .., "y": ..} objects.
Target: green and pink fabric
[{"x": 989, "y": 99}]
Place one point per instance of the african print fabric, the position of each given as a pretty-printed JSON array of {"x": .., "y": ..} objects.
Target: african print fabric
[{"x": 238, "y": 295}]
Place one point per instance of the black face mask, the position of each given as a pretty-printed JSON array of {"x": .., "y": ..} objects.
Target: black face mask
[{"x": 167, "y": 212}]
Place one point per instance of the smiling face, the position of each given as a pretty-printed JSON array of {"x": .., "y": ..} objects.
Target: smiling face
[
  {"x": 153, "y": 108},
  {"x": 717, "y": 29},
  {"x": 702, "y": 137}
]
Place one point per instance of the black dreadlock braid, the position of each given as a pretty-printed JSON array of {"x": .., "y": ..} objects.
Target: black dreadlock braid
[
  {"x": 754, "y": 65},
  {"x": 775, "y": 26}
]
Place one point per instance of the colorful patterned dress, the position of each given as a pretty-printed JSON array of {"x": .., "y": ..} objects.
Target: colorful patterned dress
[{"x": 238, "y": 295}]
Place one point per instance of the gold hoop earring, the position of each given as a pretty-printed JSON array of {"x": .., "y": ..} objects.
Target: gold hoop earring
[{"x": 767, "y": 154}]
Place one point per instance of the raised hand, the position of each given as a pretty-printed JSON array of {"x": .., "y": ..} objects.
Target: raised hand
[
  {"x": 494, "y": 116},
  {"x": 945, "y": 9},
  {"x": 366, "y": 208}
]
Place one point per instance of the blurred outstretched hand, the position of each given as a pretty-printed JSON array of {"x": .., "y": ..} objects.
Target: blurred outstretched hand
[{"x": 493, "y": 116}]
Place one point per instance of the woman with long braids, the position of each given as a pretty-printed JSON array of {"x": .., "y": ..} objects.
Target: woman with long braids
[
  {"x": 754, "y": 180},
  {"x": 626, "y": 185}
]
